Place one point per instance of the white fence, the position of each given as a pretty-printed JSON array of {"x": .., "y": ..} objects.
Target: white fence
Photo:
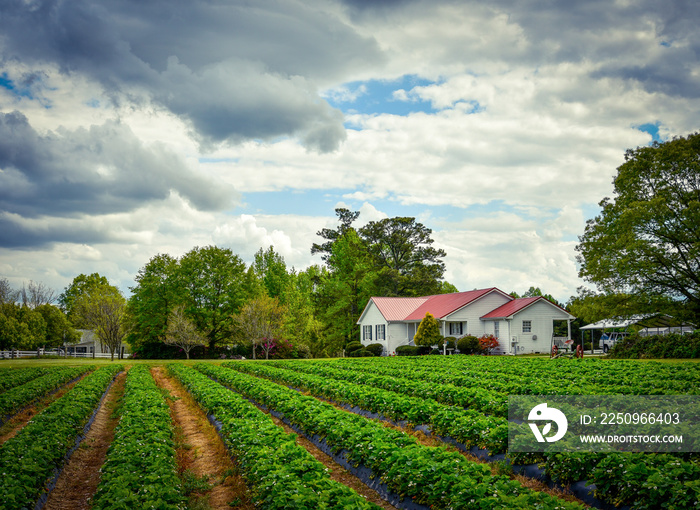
[{"x": 39, "y": 353}]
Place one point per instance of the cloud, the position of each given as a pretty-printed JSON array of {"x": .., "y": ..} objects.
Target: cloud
[
  {"x": 234, "y": 71},
  {"x": 101, "y": 170}
]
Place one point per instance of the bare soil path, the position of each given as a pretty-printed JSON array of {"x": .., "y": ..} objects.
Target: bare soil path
[
  {"x": 202, "y": 454},
  {"x": 80, "y": 477}
]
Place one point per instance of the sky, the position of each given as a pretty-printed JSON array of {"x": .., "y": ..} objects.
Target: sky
[{"x": 129, "y": 129}]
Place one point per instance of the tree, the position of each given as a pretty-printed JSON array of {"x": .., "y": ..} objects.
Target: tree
[
  {"x": 406, "y": 262},
  {"x": 21, "y": 327},
  {"x": 345, "y": 289},
  {"x": 346, "y": 219},
  {"x": 182, "y": 332},
  {"x": 152, "y": 300},
  {"x": 213, "y": 281},
  {"x": 36, "y": 294},
  {"x": 103, "y": 309},
  {"x": 7, "y": 293},
  {"x": 428, "y": 332},
  {"x": 81, "y": 284},
  {"x": 58, "y": 328},
  {"x": 271, "y": 269},
  {"x": 259, "y": 322},
  {"x": 647, "y": 238}
]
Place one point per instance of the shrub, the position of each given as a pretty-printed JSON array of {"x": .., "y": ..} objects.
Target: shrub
[
  {"x": 488, "y": 342},
  {"x": 407, "y": 350},
  {"x": 435, "y": 351},
  {"x": 361, "y": 353},
  {"x": 353, "y": 346},
  {"x": 451, "y": 342},
  {"x": 469, "y": 345},
  {"x": 375, "y": 349},
  {"x": 658, "y": 346},
  {"x": 428, "y": 332}
]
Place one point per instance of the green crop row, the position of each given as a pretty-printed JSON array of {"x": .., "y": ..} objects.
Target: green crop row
[
  {"x": 431, "y": 476},
  {"x": 16, "y": 398},
  {"x": 474, "y": 397},
  {"x": 510, "y": 375},
  {"x": 32, "y": 457},
  {"x": 140, "y": 470},
  {"x": 467, "y": 426},
  {"x": 280, "y": 473},
  {"x": 12, "y": 377}
]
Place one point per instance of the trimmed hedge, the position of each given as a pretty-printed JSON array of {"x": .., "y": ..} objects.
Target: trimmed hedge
[
  {"x": 407, "y": 350},
  {"x": 375, "y": 349},
  {"x": 674, "y": 345},
  {"x": 361, "y": 353},
  {"x": 469, "y": 345},
  {"x": 353, "y": 346}
]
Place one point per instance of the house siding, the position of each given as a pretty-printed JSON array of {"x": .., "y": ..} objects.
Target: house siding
[
  {"x": 374, "y": 317},
  {"x": 540, "y": 316},
  {"x": 472, "y": 313}
]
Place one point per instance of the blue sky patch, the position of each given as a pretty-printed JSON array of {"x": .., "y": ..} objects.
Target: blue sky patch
[
  {"x": 652, "y": 129},
  {"x": 382, "y": 96}
]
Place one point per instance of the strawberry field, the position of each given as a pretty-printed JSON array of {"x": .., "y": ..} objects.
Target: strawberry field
[{"x": 414, "y": 433}]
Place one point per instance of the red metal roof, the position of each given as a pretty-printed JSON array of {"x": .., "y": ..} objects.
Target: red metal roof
[
  {"x": 397, "y": 308},
  {"x": 442, "y": 305},
  {"x": 511, "y": 308}
]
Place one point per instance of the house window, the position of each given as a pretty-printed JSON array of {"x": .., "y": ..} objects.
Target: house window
[
  {"x": 455, "y": 328},
  {"x": 366, "y": 332},
  {"x": 381, "y": 331},
  {"x": 527, "y": 326},
  {"x": 496, "y": 329}
]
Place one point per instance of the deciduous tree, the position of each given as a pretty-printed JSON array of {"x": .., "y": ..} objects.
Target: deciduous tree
[
  {"x": 259, "y": 321},
  {"x": 647, "y": 238},
  {"x": 102, "y": 309},
  {"x": 80, "y": 285},
  {"x": 182, "y": 332}
]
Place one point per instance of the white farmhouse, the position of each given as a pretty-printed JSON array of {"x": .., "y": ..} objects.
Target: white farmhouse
[{"x": 524, "y": 325}]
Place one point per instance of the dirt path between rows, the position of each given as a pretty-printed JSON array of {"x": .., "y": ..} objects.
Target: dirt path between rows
[
  {"x": 80, "y": 477},
  {"x": 201, "y": 452},
  {"x": 11, "y": 427}
]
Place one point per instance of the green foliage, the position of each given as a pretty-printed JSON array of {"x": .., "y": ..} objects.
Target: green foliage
[
  {"x": 81, "y": 284},
  {"x": 407, "y": 350},
  {"x": 361, "y": 353},
  {"x": 140, "y": 470},
  {"x": 21, "y": 327},
  {"x": 647, "y": 238},
  {"x": 44, "y": 442},
  {"x": 58, "y": 328},
  {"x": 672, "y": 345},
  {"x": 403, "y": 256},
  {"x": 469, "y": 344},
  {"x": 353, "y": 346},
  {"x": 428, "y": 332},
  {"x": 451, "y": 342},
  {"x": 271, "y": 270},
  {"x": 375, "y": 349},
  {"x": 259, "y": 322},
  {"x": 102, "y": 309},
  {"x": 182, "y": 332}
]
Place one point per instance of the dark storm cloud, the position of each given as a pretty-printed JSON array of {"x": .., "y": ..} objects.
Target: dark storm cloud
[
  {"x": 100, "y": 170},
  {"x": 240, "y": 65}
]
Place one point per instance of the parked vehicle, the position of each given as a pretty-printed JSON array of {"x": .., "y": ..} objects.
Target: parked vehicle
[{"x": 608, "y": 340}]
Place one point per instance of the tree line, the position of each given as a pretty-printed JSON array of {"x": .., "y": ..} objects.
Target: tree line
[{"x": 642, "y": 253}]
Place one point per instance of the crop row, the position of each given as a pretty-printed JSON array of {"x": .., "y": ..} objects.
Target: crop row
[
  {"x": 643, "y": 480},
  {"x": 431, "y": 476},
  {"x": 140, "y": 470},
  {"x": 30, "y": 459},
  {"x": 12, "y": 377},
  {"x": 280, "y": 473},
  {"x": 18, "y": 397},
  {"x": 472, "y": 397},
  {"x": 540, "y": 376},
  {"x": 467, "y": 426}
]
